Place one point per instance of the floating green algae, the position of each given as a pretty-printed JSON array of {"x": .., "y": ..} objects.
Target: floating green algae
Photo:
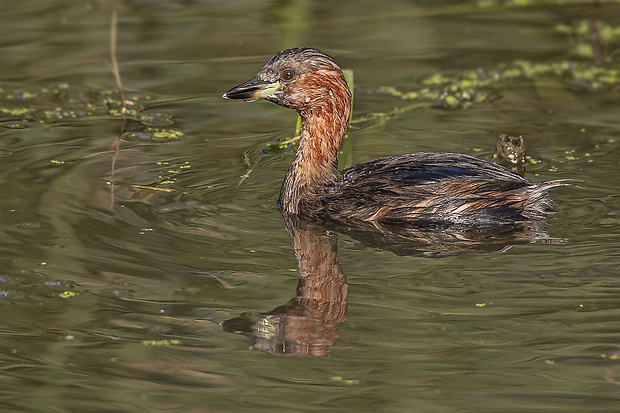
[
  {"x": 591, "y": 38},
  {"x": 63, "y": 102},
  {"x": 155, "y": 119},
  {"x": 161, "y": 343},
  {"x": 475, "y": 86},
  {"x": 19, "y": 112},
  {"x": 153, "y": 134},
  {"x": 15, "y": 124}
]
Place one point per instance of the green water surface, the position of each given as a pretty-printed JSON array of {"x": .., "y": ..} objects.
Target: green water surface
[{"x": 119, "y": 269}]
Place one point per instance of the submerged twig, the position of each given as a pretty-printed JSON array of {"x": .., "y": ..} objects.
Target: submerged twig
[
  {"x": 595, "y": 41},
  {"x": 115, "y": 69},
  {"x": 248, "y": 172},
  {"x": 117, "y": 76}
]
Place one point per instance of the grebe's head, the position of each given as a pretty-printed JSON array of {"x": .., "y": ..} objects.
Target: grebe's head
[{"x": 297, "y": 79}]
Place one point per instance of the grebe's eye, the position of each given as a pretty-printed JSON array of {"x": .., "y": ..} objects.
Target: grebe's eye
[{"x": 287, "y": 74}]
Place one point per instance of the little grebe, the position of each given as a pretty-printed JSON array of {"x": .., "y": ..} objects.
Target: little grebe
[{"x": 419, "y": 188}]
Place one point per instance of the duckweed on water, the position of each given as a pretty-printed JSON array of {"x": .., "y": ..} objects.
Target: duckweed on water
[
  {"x": 474, "y": 86},
  {"x": 153, "y": 134},
  {"x": 155, "y": 119},
  {"x": 65, "y": 102},
  {"x": 346, "y": 382},
  {"x": 15, "y": 124},
  {"x": 163, "y": 134},
  {"x": 119, "y": 111},
  {"x": 583, "y": 28},
  {"x": 167, "y": 176},
  {"x": 16, "y": 112},
  {"x": 161, "y": 343},
  {"x": 136, "y": 136},
  {"x": 590, "y": 37}
]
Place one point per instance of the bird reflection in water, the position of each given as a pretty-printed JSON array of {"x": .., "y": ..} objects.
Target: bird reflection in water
[{"x": 307, "y": 325}]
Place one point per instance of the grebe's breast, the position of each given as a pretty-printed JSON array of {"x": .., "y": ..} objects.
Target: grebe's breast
[{"x": 430, "y": 187}]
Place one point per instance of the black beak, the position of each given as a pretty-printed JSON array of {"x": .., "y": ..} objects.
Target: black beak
[{"x": 251, "y": 90}]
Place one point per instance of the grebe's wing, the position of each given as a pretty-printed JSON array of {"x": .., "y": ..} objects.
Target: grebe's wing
[
  {"x": 434, "y": 187},
  {"x": 427, "y": 167}
]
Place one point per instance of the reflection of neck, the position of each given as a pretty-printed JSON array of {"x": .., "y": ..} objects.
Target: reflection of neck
[
  {"x": 313, "y": 316},
  {"x": 324, "y": 123},
  {"x": 322, "y": 288}
]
